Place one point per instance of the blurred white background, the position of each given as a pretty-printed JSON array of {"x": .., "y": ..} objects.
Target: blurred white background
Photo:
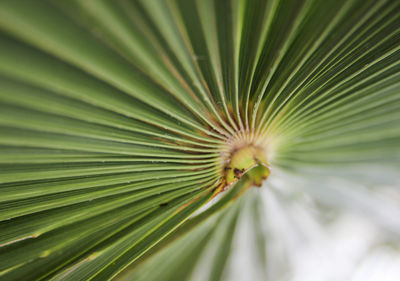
[{"x": 339, "y": 227}]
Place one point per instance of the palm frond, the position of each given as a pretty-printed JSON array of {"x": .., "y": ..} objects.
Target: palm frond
[{"x": 119, "y": 120}]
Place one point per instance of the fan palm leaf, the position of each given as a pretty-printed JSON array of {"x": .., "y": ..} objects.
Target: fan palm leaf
[{"x": 133, "y": 133}]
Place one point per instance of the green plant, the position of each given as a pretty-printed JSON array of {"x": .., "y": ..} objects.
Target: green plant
[{"x": 121, "y": 119}]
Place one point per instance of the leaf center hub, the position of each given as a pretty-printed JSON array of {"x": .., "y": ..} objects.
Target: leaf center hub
[{"x": 245, "y": 158}]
